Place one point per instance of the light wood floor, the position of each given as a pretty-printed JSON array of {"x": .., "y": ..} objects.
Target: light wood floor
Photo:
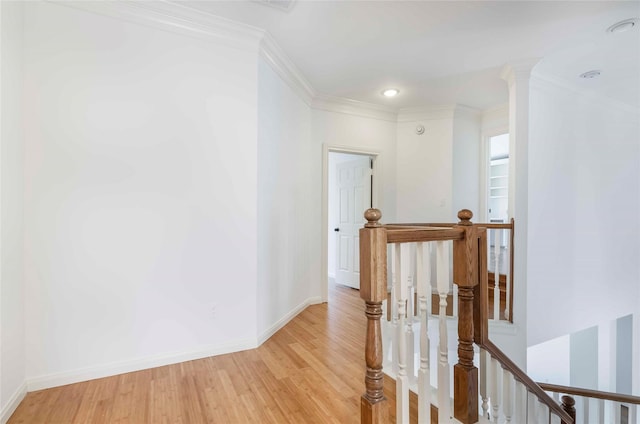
[{"x": 311, "y": 371}]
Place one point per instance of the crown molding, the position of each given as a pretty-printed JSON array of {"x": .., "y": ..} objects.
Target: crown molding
[
  {"x": 286, "y": 69},
  {"x": 497, "y": 110},
  {"x": 353, "y": 107},
  {"x": 177, "y": 18},
  {"x": 427, "y": 113},
  {"x": 553, "y": 82},
  {"x": 518, "y": 70},
  {"x": 467, "y": 111}
]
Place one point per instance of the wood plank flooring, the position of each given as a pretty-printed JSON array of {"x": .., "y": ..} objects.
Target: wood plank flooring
[{"x": 311, "y": 371}]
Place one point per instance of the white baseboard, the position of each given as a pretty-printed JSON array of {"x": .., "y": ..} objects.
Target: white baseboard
[
  {"x": 108, "y": 370},
  {"x": 115, "y": 368},
  {"x": 13, "y": 403},
  {"x": 288, "y": 317}
]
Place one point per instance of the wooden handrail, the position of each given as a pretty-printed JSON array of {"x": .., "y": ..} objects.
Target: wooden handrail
[
  {"x": 521, "y": 376},
  {"x": 500, "y": 225},
  {"x": 578, "y": 391},
  {"x": 409, "y": 235}
]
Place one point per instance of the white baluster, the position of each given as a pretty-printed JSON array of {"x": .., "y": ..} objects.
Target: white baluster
[
  {"x": 520, "y": 415},
  {"x": 484, "y": 370},
  {"x": 585, "y": 410},
  {"x": 410, "y": 336},
  {"x": 633, "y": 413},
  {"x": 423, "y": 274},
  {"x": 507, "y": 259},
  {"x": 532, "y": 408},
  {"x": 455, "y": 300},
  {"x": 495, "y": 394},
  {"x": 442, "y": 272},
  {"x": 402, "y": 383},
  {"x": 601, "y": 410},
  {"x": 496, "y": 287},
  {"x": 394, "y": 308},
  {"x": 543, "y": 412},
  {"x": 507, "y": 395},
  {"x": 556, "y": 396}
]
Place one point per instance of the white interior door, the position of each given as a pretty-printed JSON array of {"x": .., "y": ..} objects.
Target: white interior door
[{"x": 354, "y": 197}]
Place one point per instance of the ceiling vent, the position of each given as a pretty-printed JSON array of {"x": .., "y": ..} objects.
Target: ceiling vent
[{"x": 285, "y": 5}]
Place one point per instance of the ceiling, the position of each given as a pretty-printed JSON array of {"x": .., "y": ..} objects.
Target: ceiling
[{"x": 444, "y": 52}]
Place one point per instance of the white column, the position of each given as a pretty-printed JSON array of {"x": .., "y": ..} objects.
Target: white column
[{"x": 518, "y": 75}]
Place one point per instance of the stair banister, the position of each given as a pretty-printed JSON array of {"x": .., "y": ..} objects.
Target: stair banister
[
  {"x": 465, "y": 275},
  {"x": 373, "y": 290}
]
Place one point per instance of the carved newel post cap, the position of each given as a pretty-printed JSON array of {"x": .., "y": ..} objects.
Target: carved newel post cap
[
  {"x": 465, "y": 216},
  {"x": 372, "y": 216},
  {"x": 568, "y": 400}
]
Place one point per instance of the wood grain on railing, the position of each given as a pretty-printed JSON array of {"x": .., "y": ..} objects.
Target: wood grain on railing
[
  {"x": 373, "y": 290},
  {"x": 577, "y": 391},
  {"x": 465, "y": 275},
  {"x": 502, "y": 225},
  {"x": 411, "y": 235}
]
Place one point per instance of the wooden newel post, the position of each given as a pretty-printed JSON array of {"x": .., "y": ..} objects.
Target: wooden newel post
[
  {"x": 568, "y": 404},
  {"x": 373, "y": 289},
  {"x": 465, "y": 275}
]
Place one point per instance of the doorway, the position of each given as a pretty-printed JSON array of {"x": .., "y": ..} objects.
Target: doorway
[
  {"x": 498, "y": 183},
  {"x": 349, "y": 189}
]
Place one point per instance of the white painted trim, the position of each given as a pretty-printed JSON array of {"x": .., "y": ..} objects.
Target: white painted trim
[
  {"x": 177, "y": 18},
  {"x": 121, "y": 367},
  {"x": 13, "y": 403},
  {"x": 353, "y": 107},
  {"x": 288, "y": 317},
  {"x": 377, "y": 200},
  {"x": 271, "y": 52}
]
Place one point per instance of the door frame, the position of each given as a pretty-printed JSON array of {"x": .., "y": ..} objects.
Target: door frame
[{"x": 375, "y": 200}]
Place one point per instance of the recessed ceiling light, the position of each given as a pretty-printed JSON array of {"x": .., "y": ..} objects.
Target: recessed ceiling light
[
  {"x": 390, "y": 92},
  {"x": 590, "y": 74},
  {"x": 623, "y": 26}
]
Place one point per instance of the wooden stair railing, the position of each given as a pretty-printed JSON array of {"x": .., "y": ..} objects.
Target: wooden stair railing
[
  {"x": 373, "y": 290},
  {"x": 502, "y": 309},
  {"x": 627, "y": 403},
  {"x": 470, "y": 274},
  {"x": 514, "y": 380}
]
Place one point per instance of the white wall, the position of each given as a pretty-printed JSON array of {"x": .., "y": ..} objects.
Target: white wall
[
  {"x": 584, "y": 190},
  {"x": 288, "y": 273},
  {"x": 425, "y": 167},
  {"x": 359, "y": 132},
  {"x": 12, "y": 333},
  {"x": 140, "y": 196},
  {"x": 466, "y": 164}
]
